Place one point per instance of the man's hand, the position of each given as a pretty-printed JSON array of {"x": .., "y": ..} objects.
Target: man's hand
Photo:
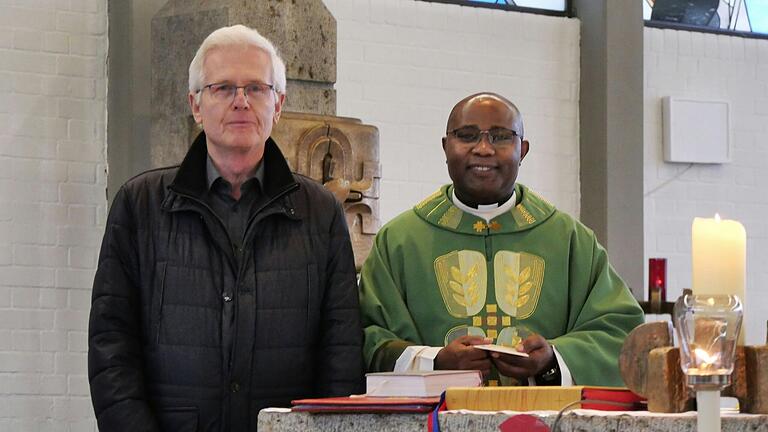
[
  {"x": 540, "y": 356},
  {"x": 459, "y": 354}
]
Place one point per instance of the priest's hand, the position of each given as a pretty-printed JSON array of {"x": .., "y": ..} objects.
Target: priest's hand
[
  {"x": 459, "y": 354},
  {"x": 541, "y": 356}
]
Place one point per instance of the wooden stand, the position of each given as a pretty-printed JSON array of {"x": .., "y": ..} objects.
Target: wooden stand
[{"x": 650, "y": 367}]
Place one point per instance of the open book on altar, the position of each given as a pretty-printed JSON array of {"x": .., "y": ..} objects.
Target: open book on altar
[
  {"x": 543, "y": 398},
  {"x": 419, "y": 384}
]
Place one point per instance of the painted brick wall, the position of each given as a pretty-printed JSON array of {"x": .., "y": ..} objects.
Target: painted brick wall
[
  {"x": 714, "y": 67},
  {"x": 52, "y": 206},
  {"x": 401, "y": 67},
  {"x": 403, "y": 64}
]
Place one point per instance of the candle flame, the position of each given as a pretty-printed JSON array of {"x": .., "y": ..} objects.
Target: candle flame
[
  {"x": 717, "y": 217},
  {"x": 705, "y": 360}
]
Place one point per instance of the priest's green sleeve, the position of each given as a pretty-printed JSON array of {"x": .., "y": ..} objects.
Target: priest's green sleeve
[
  {"x": 602, "y": 311},
  {"x": 387, "y": 322}
]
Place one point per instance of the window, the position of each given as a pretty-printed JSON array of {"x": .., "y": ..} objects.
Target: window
[
  {"x": 547, "y": 7},
  {"x": 746, "y": 17}
]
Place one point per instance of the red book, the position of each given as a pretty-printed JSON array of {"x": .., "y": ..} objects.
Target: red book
[
  {"x": 594, "y": 397},
  {"x": 366, "y": 404}
]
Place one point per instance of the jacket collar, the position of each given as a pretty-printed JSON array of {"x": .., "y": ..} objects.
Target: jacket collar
[
  {"x": 191, "y": 177},
  {"x": 438, "y": 209}
]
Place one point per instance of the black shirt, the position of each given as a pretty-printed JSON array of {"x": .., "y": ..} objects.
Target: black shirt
[{"x": 234, "y": 213}]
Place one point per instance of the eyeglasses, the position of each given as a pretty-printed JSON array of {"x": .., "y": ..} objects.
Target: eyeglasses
[
  {"x": 225, "y": 92},
  {"x": 497, "y": 136}
]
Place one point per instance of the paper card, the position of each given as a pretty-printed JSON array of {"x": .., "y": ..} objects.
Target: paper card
[{"x": 501, "y": 349}]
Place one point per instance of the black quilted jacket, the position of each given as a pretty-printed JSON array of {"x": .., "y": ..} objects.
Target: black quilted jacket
[{"x": 168, "y": 279}]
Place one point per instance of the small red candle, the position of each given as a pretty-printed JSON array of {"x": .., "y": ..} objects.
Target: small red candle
[{"x": 657, "y": 276}]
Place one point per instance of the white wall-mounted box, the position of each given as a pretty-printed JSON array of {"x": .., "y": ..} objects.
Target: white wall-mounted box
[{"x": 696, "y": 131}]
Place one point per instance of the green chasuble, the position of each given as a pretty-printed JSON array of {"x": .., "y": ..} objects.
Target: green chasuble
[{"x": 436, "y": 273}]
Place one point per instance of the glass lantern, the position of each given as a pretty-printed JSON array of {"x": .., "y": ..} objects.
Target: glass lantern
[{"x": 708, "y": 328}]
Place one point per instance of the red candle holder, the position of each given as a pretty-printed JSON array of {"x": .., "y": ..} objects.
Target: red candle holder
[{"x": 657, "y": 280}]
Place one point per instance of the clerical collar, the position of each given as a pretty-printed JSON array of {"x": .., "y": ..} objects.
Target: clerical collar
[{"x": 485, "y": 211}]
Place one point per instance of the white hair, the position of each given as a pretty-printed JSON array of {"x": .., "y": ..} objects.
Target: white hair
[{"x": 235, "y": 35}]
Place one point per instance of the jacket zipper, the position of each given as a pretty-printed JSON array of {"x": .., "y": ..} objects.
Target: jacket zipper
[
  {"x": 234, "y": 259},
  {"x": 267, "y": 204}
]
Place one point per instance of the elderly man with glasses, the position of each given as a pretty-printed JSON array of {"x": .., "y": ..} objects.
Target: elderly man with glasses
[
  {"x": 487, "y": 262},
  {"x": 225, "y": 284}
]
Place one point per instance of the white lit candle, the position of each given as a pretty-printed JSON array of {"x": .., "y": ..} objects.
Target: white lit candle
[{"x": 719, "y": 253}]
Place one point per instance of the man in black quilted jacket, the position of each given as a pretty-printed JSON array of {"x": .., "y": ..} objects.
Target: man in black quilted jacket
[{"x": 225, "y": 284}]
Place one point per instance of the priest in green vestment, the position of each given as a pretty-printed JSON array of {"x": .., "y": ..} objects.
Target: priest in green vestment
[{"x": 485, "y": 260}]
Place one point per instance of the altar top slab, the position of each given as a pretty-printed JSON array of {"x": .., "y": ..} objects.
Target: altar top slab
[{"x": 273, "y": 420}]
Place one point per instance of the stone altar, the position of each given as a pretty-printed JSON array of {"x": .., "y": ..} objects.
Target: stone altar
[{"x": 271, "y": 420}]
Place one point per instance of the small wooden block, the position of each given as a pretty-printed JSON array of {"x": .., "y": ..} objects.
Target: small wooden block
[
  {"x": 756, "y": 359},
  {"x": 666, "y": 387},
  {"x": 738, "y": 387}
]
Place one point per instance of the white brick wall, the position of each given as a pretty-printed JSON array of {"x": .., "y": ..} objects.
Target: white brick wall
[
  {"x": 403, "y": 64},
  {"x": 52, "y": 206},
  {"x": 707, "y": 66}
]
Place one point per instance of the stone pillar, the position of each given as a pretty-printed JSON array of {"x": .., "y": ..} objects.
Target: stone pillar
[
  {"x": 304, "y": 33},
  {"x": 340, "y": 153},
  {"x": 611, "y": 131}
]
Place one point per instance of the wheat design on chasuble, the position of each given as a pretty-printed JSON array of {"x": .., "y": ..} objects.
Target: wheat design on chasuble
[{"x": 463, "y": 280}]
